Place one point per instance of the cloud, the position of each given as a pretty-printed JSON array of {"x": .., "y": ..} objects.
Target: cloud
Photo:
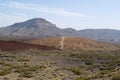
[{"x": 43, "y": 9}]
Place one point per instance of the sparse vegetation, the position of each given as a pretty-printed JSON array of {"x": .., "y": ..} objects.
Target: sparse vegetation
[
  {"x": 58, "y": 65},
  {"x": 26, "y": 74},
  {"x": 76, "y": 71},
  {"x": 116, "y": 76},
  {"x": 5, "y": 71},
  {"x": 83, "y": 78}
]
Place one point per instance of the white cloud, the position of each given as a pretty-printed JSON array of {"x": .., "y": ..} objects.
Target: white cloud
[{"x": 44, "y": 9}]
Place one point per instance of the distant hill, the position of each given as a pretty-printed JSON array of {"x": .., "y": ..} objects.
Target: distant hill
[
  {"x": 103, "y": 35},
  {"x": 40, "y": 28},
  {"x": 74, "y": 43}
]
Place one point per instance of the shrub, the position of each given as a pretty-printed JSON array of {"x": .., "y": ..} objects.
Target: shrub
[
  {"x": 88, "y": 62},
  {"x": 98, "y": 76},
  {"x": 5, "y": 71},
  {"x": 81, "y": 78},
  {"x": 116, "y": 77},
  {"x": 26, "y": 74},
  {"x": 23, "y": 60},
  {"x": 76, "y": 71}
]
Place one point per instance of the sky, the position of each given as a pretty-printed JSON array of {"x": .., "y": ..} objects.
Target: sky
[{"x": 77, "y": 14}]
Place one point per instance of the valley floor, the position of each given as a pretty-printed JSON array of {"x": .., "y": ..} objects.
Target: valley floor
[{"x": 59, "y": 65}]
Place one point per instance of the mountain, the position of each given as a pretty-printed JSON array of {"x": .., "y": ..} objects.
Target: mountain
[
  {"x": 38, "y": 28},
  {"x": 73, "y": 43},
  {"x": 103, "y": 35},
  {"x": 33, "y": 28}
]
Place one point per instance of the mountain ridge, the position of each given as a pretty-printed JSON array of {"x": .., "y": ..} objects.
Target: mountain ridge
[{"x": 39, "y": 28}]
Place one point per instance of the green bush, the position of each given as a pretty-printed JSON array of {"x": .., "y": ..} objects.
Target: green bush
[
  {"x": 5, "y": 71},
  {"x": 26, "y": 74},
  {"x": 76, "y": 71},
  {"x": 81, "y": 78},
  {"x": 88, "y": 62},
  {"x": 98, "y": 76},
  {"x": 23, "y": 60},
  {"x": 21, "y": 68}
]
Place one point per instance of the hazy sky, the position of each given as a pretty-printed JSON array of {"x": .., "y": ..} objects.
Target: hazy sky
[{"x": 78, "y": 14}]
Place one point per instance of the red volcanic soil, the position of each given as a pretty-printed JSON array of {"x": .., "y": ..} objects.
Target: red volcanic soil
[{"x": 13, "y": 45}]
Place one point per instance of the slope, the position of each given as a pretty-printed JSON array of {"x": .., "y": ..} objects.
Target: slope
[
  {"x": 74, "y": 43},
  {"x": 13, "y": 45}
]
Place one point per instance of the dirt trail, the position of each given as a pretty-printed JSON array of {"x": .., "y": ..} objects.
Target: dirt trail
[{"x": 62, "y": 42}]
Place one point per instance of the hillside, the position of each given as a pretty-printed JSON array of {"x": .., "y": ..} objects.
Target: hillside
[
  {"x": 13, "y": 45},
  {"x": 74, "y": 43}
]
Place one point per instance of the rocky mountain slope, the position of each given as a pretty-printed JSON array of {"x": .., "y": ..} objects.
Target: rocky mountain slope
[
  {"x": 34, "y": 28},
  {"x": 38, "y": 28}
]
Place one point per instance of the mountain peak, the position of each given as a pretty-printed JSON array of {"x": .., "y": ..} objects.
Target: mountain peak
[
  {"x": 33, "y": 21},
  {"x": 69, "y": 29},
  {"x": 33, "y": 28},
  {"x": 37, "y": 20}
]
